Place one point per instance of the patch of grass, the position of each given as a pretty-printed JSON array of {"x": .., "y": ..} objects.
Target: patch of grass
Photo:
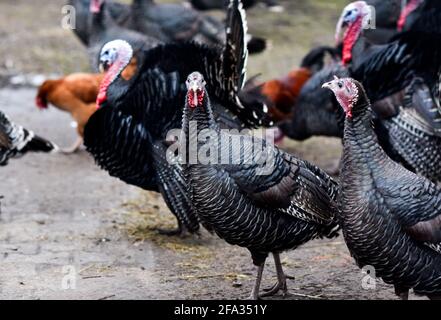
[{"x": 147, "y": 213}]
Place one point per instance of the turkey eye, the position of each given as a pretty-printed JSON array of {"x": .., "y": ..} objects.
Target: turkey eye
[{"x": 340, "y": 85}]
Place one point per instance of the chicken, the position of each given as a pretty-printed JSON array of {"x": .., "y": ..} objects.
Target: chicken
[{"x": 76, "y": 94}]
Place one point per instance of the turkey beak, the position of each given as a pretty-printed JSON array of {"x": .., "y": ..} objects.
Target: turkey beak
[
  {"x": 104, "y": 66},
  {"x": 327, "y": 85}
]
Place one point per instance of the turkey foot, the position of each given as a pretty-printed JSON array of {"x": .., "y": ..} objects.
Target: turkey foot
[
  {"x": 72, "y": 149},
  {"x": 277, "y": 284},
  {"x": 281, "y": 280},
  {"x": 402, "y": 293},
  {"x": 180, "y": 231}
]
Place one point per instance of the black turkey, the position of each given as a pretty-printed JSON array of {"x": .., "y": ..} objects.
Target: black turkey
[
  {"x": 387, "y": 16},
  {"x": 104, "y": 29},
  {"x": 176, "y": 23},
  {"x": 411, "y": 54},
  {"x": 412, "y": 12},
  {"x": 315, "y": 112},
  {"x": 408, "y": 137},
  {"x": 15, "y": 141},
  {"x": 258, "y": 196},
  {"x": 127, "y": 134},
  {"x": 119, "y": 12},
  {"x": 391, "y": 218},
  {"x": 222, "y": 4}
]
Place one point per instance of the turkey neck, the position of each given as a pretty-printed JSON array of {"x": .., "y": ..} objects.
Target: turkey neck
[
  {"x": 201, "y": 115},
  {"x": 360, "y": 141},
  {"x": 363, "y": 160}
]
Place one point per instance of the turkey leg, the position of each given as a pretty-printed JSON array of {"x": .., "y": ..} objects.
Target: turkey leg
[
  {"x": 281, "y": 279},
  {"x": 402, "y": 293},
  {"x": 255, "y": 292}
]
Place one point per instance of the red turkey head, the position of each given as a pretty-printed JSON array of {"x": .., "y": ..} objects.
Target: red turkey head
[
  {"x": 195, "y": 90},
  {"x": 95, "y": 6},
  {"x": 410, "y": 7},
  {"x": 114, "y": 57},
  {"x": 346, "y": 92},
  {"x": 355, "y": 17}
]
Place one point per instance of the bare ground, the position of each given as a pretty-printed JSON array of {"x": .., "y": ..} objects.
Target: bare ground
[{"x": 62, "y": 219}]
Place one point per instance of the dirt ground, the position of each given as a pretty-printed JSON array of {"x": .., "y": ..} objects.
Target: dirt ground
[{"x": 69, "y": 231}]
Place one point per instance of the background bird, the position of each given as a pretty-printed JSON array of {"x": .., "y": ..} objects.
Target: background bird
[
  {"x": 76, "y": 94},
  {"x": 222, "y": 4}
]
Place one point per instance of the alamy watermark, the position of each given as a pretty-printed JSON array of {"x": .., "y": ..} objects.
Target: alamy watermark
[
  {"x": 369, "y": 281},
  {"x": 222, "y": 147},
  {"x": 69, "y": 19},
  {"x": 69, "y": 280},
  {"x": 370, "y": 20}
]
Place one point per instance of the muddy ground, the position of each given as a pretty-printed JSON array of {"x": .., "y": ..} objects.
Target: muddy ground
[{"x": 69, "y": 231}]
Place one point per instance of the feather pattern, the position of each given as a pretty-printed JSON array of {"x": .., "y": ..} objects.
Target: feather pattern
[
  {"x": 127, "y": 134},
  {"x": 264, "y": 211},
  {"x": 15, "y": 141},
  {"x": 390, "y": 217}
]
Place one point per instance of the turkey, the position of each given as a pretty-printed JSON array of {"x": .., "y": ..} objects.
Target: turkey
[
  {"x": 259, "y": 197},
  {"x": 119, "y": 12},
  {"x": 411, "y": 54},
  {"x": 411, "y": 12},
  {"x": 104, "y": 29},
  {"x": 391, "y": 218},
  {"x": 407, "y": 129},
  {"x": 387, "y": 15},
  {"x": 127, "y": 134},
  {"x": 15, "y": 141},
  {"x": 221, "y": 4},
  {"x": 177, "y": 23},
  {"x": 315, "y": 112}
]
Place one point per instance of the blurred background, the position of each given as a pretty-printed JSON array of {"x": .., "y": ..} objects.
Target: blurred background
[{"x": 32, "y": 40}]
